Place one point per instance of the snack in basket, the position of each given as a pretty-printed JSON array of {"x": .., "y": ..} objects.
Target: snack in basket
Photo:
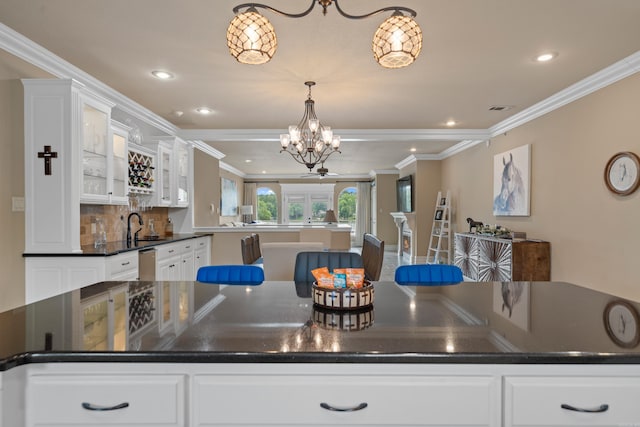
[
  {"x": 339, "y": 280},
  {"x": 355, "y": 276},
  {"x": 320, "y": 271}
]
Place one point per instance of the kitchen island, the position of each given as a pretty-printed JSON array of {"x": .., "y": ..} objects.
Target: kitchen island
[{"x": 471, "y": 354}]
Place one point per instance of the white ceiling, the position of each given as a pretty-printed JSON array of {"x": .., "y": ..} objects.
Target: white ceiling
[{"x": 476, "y": 54}]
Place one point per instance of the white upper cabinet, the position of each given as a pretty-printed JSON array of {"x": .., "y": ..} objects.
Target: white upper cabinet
[
  {"x": 68, "y": 160},
  {"x": 173, "y": 171},
  {"x": 182, "y": 168}
]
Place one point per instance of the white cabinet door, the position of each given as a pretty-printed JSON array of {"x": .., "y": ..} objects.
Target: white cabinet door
[
  {"x": 168, "y": 269},
  {"x": 202, "y": 253},
  {"x": 119, "y": 164},
  {"x": 104, "y": 324},
  {"x": 96, "y": 151},
  {"x": 105, "y": 400},
  {"x": 572, "y": 401},
  {"x": 182, "y": 173},
  {"x": 223, "y": 400}
]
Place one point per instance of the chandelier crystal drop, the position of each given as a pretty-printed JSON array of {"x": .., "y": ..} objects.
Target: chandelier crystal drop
[
  {"x": 252, "y": 39},
  {"x": 310, "y": 142}
]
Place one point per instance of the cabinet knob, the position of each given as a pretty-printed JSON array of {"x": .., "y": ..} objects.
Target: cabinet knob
[
  {"x": 344, "y": 409},
  {"x": 92, "y": 407}
]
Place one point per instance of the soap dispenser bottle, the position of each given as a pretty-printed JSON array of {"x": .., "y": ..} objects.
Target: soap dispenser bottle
[{"x": 168, "y": 228}]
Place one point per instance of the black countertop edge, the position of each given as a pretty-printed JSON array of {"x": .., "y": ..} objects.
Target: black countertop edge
[
  {"x": 338, "y": 358},
  {"x": 115, "y": 248}
]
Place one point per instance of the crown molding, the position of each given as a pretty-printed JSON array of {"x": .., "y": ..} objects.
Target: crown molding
[
  {"x": 603, "y": 78},
  {"x": 348, "y": 135},
  {"x": 27, "y": 50},
  {"x": 460, "y": 147},
  {"x": 281, "y": 177},
  {"x": 415, "y": 158},
  {"x": 375, "y": 172},
  {"x": 206, "y": 148},
  {"x": 231, "y": 169}
]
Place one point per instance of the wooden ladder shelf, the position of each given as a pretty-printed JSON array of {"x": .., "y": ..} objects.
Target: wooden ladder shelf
[{"x": 439, "y": 251}]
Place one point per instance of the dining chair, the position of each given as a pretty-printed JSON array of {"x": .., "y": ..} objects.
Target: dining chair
[
  {"x": 244, "y": 275},
  {"x": 257, "y": 253},
  {"x": 372, "y": 256},
  {"x": 307, "y": 261},
  {"x": 246, "y": 246},
  {"x": 428, "y": 274}
]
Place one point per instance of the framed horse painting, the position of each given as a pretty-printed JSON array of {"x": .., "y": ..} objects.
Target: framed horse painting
[{"x": 512, "y": 182}]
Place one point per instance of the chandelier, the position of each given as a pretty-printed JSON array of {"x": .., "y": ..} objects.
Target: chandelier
[
  {"x": 252, "y": 39},
  {"x": 310, "y": 142}
]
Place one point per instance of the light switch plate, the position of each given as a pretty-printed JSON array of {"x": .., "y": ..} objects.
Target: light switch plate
[{"x": 17, "y": 204}]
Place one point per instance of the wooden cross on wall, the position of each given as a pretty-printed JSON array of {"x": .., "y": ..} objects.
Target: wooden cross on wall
[{"x": 47, "y": 155}]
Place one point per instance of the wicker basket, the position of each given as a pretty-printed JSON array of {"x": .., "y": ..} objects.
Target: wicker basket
[
  {"x": 343, "y": 320},
  {"x": 343, "y": 298}
]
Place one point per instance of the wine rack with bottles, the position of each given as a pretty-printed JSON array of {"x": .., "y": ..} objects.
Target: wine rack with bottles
[{"x": 141, "y": 176}]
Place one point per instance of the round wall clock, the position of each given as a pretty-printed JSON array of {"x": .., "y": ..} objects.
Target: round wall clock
[
  {"x": 622, "y": 174},
  {"x": 622, "y": 323}
]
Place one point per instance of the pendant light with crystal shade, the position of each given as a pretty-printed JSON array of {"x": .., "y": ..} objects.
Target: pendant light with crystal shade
[
  {"x": 310, "y": 142},
  {"x": 396, "y": 43},
  {"x": 251, "y": 38}
]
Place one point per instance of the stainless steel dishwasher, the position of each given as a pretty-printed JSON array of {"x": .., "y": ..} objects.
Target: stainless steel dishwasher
[{"x": 147, "y": 264}]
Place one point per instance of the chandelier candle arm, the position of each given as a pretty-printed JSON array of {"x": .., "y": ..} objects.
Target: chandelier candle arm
[{"x": 273, "y": 9}]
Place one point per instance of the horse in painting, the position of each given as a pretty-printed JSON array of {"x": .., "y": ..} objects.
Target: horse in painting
[
  {"x": 511, "y": 198},
  {"x": 511, "y": 294}
]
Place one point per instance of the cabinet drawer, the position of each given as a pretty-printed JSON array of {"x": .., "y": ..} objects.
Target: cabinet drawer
[
  {"x": 152, "y": 401},
  {"x": 168, "y": 251},
  {"x": 295, "y": 400},
  {"x": 120, "y": 264},
  {"x": 536, "y": 401}
]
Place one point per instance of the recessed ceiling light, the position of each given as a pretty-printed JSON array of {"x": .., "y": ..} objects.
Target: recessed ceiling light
[
  {"x": 162, "y": 75},
  {"x": 546, "y": 57},
  {"x": 264, "y": 171},
  {"x": 451, "y": 122},
  {"x": 204, "y": 110},
  {"x": 413, "y": 150},
  {"x": 248, "y": 161}
]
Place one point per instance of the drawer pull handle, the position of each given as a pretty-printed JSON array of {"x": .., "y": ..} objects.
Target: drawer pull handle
[
  {"x": 602, "y": 408},
  {"x": 92, "y": 407},
  {"x": 126, "y": 263},
  {"x": 351, "y": 409}
]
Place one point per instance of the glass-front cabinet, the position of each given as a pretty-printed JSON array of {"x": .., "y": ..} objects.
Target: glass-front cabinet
[
  {"x": 95, "y": 146},
  {"x": 104, "y": 149},
  {"x": 119, "y": 161},
  {"x": 182, "y": 173},
  {"x": 173, "y": 171},
  {"x": 105, "y": 321},
  {"x": 164, "y": 190}
]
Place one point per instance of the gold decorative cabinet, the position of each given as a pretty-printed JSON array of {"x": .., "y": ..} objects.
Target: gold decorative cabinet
[{"x": 489, "y": 259}]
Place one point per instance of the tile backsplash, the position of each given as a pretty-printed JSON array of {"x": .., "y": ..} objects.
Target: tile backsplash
[{"x": 115, "y": 221}]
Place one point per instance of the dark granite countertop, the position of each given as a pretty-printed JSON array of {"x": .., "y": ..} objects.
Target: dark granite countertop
[
  {"x": 114, "y": 248},
  {"x": 276, "y": 322}
]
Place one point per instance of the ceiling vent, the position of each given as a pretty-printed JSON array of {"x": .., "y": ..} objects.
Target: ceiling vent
[{"x": 500, "y": 107}]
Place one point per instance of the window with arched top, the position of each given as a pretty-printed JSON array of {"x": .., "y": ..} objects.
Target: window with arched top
[
  {"x": 267, "y": 205},
  {"x": 347, "y": 206}
]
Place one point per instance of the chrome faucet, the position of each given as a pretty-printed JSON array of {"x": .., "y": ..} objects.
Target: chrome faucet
[{"x": 140, "y": 222}]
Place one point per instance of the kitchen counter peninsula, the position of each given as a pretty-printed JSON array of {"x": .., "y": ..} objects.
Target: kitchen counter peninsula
[
  {"x": 510, "y": 354},
  {"x": 515, "y": 322}
]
